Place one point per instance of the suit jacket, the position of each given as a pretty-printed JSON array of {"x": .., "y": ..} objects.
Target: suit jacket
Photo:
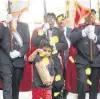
[
  {"x": 23, "y": 30},
  {"x": 68, "y": 32},
  {"x": 83, "y": 47}
]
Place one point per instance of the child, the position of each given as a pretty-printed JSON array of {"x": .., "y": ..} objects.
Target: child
[{"x": 42, "y": 90}]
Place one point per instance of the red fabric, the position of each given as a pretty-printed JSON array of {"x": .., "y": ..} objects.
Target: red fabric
[
  {"x": 25, "y": 84},
  {"x": 39, "y": 93},
  {"x": 71, "y": 74},
  {"x": 81, "y": 12}
]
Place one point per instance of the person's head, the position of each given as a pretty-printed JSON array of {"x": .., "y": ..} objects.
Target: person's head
[
  {"x": 61, "y": 21},
  {"x": 91, "y": 17},
  {"x": 51, "y": 18},
  {"x": 47, "y": 48}
]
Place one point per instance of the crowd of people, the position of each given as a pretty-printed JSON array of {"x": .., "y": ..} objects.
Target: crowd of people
[{"x": 50, "y": 56}]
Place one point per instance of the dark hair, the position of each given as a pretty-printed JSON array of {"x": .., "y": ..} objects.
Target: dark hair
[
  {"x": 51, "y": 14},
  {"x": 45, "y": 43},
  {"x": 92, "y": 10}
]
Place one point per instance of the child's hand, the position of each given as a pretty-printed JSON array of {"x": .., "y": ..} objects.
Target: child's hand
[
  {"x": 40, "y": 50},
  {"x": 48, "y": 82}
]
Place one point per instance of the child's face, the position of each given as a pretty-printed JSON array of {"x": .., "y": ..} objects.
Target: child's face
[{"x": 48, "y": 51}]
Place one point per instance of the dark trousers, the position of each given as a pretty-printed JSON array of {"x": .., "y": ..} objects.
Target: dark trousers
[
  {"x": 65, "y": 92},
  {"x": 58, "y": 85},
  {"x": 6, "y": 75},
  {"x": 95, "y": 81},
  {"x": 81, "y": 81},
  {"x": 17, "y": 75}
]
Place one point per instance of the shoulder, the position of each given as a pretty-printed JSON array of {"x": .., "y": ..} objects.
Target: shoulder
[
  {"x": 98, "y": 25},
  {"x": 37, "y": 29},
  {"x": 79, "y": 27},
  {"x": 51, "y": 62},
  {"x": 23, "y": 24}
]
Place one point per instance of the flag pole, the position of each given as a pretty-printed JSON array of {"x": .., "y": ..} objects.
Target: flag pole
[
  {"x": 11, "y": 35},
  {"x": 45, "y": 11},
  {"x": 91, "y": 42}
]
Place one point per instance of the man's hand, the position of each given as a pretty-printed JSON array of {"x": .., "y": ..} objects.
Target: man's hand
[
  {"x": 14, "y": 54},
  {"x": 92, "y": 36},
  {"x": 40, "y": 50},
  {"x": 85, "y": 31},
  {"x": 91, "y": 28}
]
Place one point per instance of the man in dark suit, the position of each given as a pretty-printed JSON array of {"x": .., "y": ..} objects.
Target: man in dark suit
[
  {"x": 81, "y": 38},
  {"x": 12, "y": 62},
  {"x": 58, "y": 47},
  {"x": 62, "y": 24},
  {"x": 19, "y": 59}
]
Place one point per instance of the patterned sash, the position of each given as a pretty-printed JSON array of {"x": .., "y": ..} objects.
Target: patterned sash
[{"x": 18, "y": 38}]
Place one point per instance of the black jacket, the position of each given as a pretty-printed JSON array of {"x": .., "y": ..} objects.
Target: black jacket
[
  {"x": 5, "y": 49},
  {"x": 83, "y": 47}
]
